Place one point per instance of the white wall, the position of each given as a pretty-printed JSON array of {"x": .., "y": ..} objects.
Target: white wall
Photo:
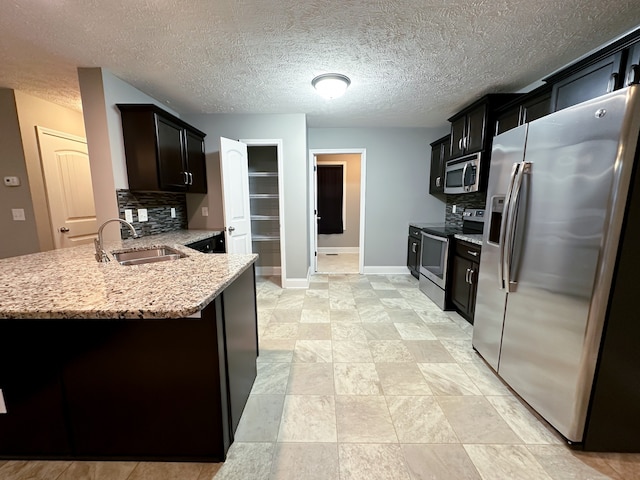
[
  {"x": 397, "y": 186},
  {"x": 101, "y": 91},
  {"x": 291, "y": 128}
]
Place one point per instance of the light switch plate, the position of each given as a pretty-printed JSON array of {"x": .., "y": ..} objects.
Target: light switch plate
[
  {"x": 18, "y": 214},
  {"x": 173, "y": 212},
  {"x": 142, "y": 215},
  {"x": 128, "y": 215},
  {"x": 205, "y": 211}
]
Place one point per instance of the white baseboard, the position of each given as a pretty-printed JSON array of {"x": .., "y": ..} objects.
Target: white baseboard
[
  {"x": 338, "y": 250},
  {"x": 295, "y": 283},
  {"x": 386, "y": 270}
]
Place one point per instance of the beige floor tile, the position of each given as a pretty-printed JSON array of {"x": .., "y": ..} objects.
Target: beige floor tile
[
  {"x": 560, "y": 464},
  {"x": 316, "y": 303},
  {"x": 260, "y": 419},
  {"x": 276, "y": 350},
  {"x": 395, "y": 303},
  {"x": 448, "y": 379},
  {"x": 271, "y": 378},
  {"x": 351, "y": 352},
  {"x": 314, "y": 331},
  {"x": 356, "y": 379},
  {"x": 348, "y": 331},
  {"x": 380, "y": 285},
  {"x": 247, "y": 461},
  {"x": 449, "y": 332},
  {"x": 461, "y": 350},
  {"x": 627, "y": 465},
  {"x": 420, "y": 420},
  {"x": 308, "y": 461},
  {"x": 311, "y": 379},
  {"x": 475, "y": 421},
  {"x": 312, "y": 351},
  {"x": 32, "y": 470},
  {"x": 414, "y": 331},
  {"x": 600, "y": 461},
  {"x": 342, "y": 304},
  {"x": 349, "y": 315},
  {"x": 506, "y": 462},
  {"x": 428, "y": 351},
  {"x": 281, "y": 331},
  {"x": 373, "y": 313},
  {"x": 372, "y": 462},
  {"x": 209, "y": 470},
  {"x": 380, "y": 331},
  {"x": 285, "y": 316},
  {"x": 485, "y": 379},
  {"x": 364, "y": 419},
  {"x": 290, "y": 300},
  {"x": 523, "y": 422},
  {"x": 399, "y": 315},
  {"x": 433, "y": 317},
  {"x": 315, "y": 315},
  {"x": 308, "y": 418},
  {"x": 390, "y": 351},
  {"x": 439, "y": 462},
  {"x": 391, "y": 293},
  {"x": 402, "y": 379}
]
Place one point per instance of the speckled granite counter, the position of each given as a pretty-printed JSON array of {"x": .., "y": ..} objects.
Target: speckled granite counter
[
  {"x": 69, "y": 283},
  {"x": 470, "y": 237}
]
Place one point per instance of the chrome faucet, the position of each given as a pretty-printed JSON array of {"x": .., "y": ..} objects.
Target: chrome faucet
[{"x": 101, "y": 255}]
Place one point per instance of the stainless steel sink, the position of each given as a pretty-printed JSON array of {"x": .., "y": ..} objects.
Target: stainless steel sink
[{"x": 149, "y": 255}]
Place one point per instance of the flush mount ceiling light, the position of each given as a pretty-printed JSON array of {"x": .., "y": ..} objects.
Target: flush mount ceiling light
[{"x": 331, "y": 85}]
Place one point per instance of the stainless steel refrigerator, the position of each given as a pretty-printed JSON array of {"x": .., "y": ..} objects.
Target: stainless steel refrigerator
[{"x": 560, "y": 271}]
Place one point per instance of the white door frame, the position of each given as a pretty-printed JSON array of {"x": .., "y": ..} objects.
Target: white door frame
[
  {"x": 312, "y": 200},
  {"x": 278, "y": 144}
]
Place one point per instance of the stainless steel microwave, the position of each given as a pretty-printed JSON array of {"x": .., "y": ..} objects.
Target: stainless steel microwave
[{"x": 462, "y": 175}]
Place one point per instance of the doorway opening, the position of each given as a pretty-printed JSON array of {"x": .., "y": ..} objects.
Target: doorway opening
[{"x": 337, "y": 210}]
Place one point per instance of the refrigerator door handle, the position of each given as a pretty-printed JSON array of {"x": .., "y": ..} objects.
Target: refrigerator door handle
[
  {"x": 510, "y": 283},
  {"x": 503, "y": 225}
]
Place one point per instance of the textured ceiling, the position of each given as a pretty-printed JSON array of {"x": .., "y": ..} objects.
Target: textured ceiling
[{"x": 411, "y": 63}]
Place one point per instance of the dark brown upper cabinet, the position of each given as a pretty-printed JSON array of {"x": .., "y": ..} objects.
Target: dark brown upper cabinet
[
  {"x": 632, "y": 75},
  {"x": 163, "y": 152},
  {"x": 472, "y": 127},
  {"x": 528, "y": 108},
  {"x": 439, "y": 157}
]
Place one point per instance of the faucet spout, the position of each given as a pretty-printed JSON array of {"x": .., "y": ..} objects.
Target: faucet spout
[{"x": 101, "y": 255}]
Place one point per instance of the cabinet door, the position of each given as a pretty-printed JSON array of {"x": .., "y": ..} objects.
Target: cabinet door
[
  {"x": 476, "y": 130},
  {"x": 460, "y": 288},
  {"x": 458, "y": 130},
  {"x": 436, "y": 176},
  {"x": 32, "y": 389},
  {"x": 413, "y": 252},
  {"x": 632, "y": 76},
  {"x": 508, "y": 120},
  {"x": 473, "y": 290},
  {"x": 536, "y": 108},
  {"x": 590, "y": 82},
  {"x": 196, "y": 163},
  {"x": 171, "y": 170}
]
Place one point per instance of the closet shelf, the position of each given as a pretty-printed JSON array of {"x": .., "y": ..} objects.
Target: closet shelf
[
  {"x": 265, "y": 217},
  {"x": 263, "y": 174},
  {"x": 263, "y": 195},
  {"x": 265, "y": 238}
]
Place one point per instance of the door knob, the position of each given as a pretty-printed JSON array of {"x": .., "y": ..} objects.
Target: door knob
[
  {"x": 63, "y": 229},
  {"x": 231, "y": 229}
]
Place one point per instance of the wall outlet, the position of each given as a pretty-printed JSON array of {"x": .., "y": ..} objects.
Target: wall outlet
[
  {"x": 128, "y": 215},
  {"x": 454, "y": 209},
  {"x": 173, "y": 212},
  {"x": 142, "y": 215},
  {"x": 205, "y": 211},
  {"x": 12, "y": 181},
  {"x": 18, "y": 214}
]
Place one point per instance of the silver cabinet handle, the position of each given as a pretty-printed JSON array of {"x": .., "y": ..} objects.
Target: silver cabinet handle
[
  {"x": 466, "y": 276},
  {"x": 475, "y": 254},
  {"x": 612, "y": 82},
  {"x": 231, "y": 229},
  {"x": 633, "y": 76},
  {"x": 460, "y": 143},
  {"x": 471, "y": 272},
  {"x": 414, "y": 247},
  {"x": 190, "y": 178},
  {"x": 186, "y": 178},
  {"x": 438, "y": 181},
  {"x": 63, "y": 229}
]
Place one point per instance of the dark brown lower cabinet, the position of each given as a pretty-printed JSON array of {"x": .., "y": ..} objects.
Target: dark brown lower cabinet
[
  {"x": 464, "y": 286},
  {"x": 166, "y": 389}
]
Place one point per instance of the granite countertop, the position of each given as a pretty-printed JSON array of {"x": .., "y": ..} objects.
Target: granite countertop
[
  {"x": 69, "y": 283},
  {"x": 475, "y": 238}
]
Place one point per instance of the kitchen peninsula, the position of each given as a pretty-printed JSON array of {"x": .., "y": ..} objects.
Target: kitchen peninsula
[{"x": 107, "y": 361}]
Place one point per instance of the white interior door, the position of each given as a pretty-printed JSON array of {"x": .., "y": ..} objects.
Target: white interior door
[
  {"x": 234, "y": 169},
  {"x": 315, "y": 214},
  {"x": 67, "y": 175}
]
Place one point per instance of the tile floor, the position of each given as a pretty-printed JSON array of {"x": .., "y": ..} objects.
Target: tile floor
[
  {"x": 338, "y": 263},
  {"x": 363, "y": 377}
]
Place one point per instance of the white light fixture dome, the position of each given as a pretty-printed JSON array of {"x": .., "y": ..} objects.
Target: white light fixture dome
[{"x": 331, "y": 85}]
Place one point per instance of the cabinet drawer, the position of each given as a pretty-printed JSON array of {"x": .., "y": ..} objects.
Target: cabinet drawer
[{"x": 468, "y": 250}]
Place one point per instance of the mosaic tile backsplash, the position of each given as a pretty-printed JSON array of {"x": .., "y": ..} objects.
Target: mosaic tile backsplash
[
  {"x": 158, "y": 205},
  {"x": 462, "y": 202}
]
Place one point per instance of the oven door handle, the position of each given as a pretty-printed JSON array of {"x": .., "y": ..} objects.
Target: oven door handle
[{"x": 436, "y": 237}]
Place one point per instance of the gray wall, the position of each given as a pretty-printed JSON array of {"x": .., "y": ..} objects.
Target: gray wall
[
  {"x": 397, "y": 184},
  {"x": 291, "y": 128}
]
